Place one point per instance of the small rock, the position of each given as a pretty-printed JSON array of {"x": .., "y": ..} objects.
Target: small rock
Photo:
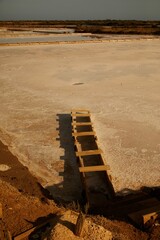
[{"x": 4, "y": 167}]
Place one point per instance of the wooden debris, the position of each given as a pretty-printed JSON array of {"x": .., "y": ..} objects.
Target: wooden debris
[
  {"x": 79, "y": 224},
  {"x": 31, "y": 230},
  {"x": 145, "y": 215}
]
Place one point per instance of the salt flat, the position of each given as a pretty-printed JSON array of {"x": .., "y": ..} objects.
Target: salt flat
[{"x": 117, "y": 81}]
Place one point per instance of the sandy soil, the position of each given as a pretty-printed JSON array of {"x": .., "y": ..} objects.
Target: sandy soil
[
  {"x": 118, "y": 82},
  {"x": 96, "y": 228}
]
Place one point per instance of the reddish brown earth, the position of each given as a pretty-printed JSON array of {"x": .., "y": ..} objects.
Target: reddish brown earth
[
  {"x": 23, "y": 199},
  {"x": 19, "y": 176}
]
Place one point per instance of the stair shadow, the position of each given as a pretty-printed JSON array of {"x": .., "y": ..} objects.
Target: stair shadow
[{"x": 70, "y": 188}]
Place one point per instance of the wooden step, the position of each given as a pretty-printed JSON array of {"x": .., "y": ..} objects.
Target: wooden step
[
  {"x": 88, "y": 153},
  {"x": 80, "y": 114},
  {"x": 94, "y": 168},
  {"x": 81, "y": 134},
  {"x": 81, "y": 123}
]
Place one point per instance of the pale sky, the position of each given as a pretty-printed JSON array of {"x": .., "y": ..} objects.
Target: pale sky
[{"x": 79, "y": 9}]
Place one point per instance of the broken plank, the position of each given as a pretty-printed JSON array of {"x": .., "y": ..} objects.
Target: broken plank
[
  {"x": 31, "y": 230},
  {"x": 142, "y": 216},
  {"x": 81, "y": 134},
  {"x": 88, "y": 153},
  {"x": 148, "y": 215},
  {"x": 94, "y": 168}
]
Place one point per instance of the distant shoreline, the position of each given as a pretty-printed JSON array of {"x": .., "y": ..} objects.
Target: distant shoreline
[{"x": 89, "y": 26}]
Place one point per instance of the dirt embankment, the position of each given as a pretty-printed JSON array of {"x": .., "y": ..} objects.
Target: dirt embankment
[
  {"x": 23, "y": 199},
  {"x": 26, "y": 204}
]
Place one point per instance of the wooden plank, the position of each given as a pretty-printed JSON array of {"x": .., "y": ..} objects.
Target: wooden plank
[
  {"x": 81, "y": 123},
  {"x": 79, "y": 224},
  {"x": 88, "y": 153},
  {"x": 148, "y": 215},
  {"x": 80, "y": 114},
  {"x": 94, "y": 168},
  {"x": 28, "y": 232},
  {"x": 81, "y": 134},
  {"x": 142, "y": 216}
]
